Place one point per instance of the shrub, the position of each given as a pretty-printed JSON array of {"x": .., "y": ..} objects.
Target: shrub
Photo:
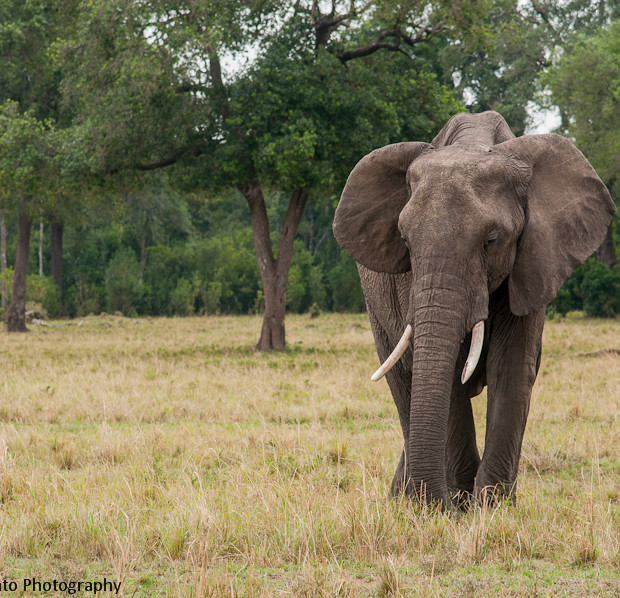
[
  {"x": 305, "y": 285},
  {"x": 601, "y": 291},
  {"x": 345, "y": 286},
  {"x": 182, "y": 299},
  {"x": 123, "y": 286}
]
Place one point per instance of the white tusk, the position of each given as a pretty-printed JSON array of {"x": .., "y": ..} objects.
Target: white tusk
[
  {"x": 397, "y": 353},
  {"x": 477, "y": 338}
]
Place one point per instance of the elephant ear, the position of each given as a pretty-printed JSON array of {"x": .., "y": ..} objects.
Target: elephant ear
[
  {"x": 568, "y": 210},
  {"x": 366, "y": 220}
]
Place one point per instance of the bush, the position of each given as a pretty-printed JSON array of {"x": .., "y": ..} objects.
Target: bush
[
  {"x": 182, "y": 299},
  {"x": 305, "y": 286},
  {"x": 216, "y": 275},
  {"x": 84, "y": 298},
  {"x": 592, "y": 288},
  {"x": 7, "y": 277},
  {"x": 345, "y": 285},
  {"x": 601, "y": 291},
  {"x": 44, "y": 291},
  {"x": 123, "y": 286}
]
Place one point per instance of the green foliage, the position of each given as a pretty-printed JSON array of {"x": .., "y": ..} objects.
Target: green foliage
[
  {"x": 182, "y": 298},
  {"x": 585, "y": 83},
  {"x": 593, "y": 288},
  {"x": 29, "y": 76},
  {"x": 601, "y": 291},
  {"x": 113, "y": 73},
  {"x": 208, "y": 275},
  {"x": 123, "y": 287},
  {"x": 7, "y": 278},
  {"x": 96, "y": 92},
  {"x": 306, "y": 122},
  {"x": 305, "y": 286},
  {"x": 26, "y": 156},
  {"x": 345, "y": 284},
  {"x": 42, "y": 294}
]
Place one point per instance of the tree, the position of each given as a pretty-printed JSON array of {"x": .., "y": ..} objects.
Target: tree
[
  {"x": 585, "y": 82},
  {"x": 321, "y": 93},
  {"x": 26, "y": 175},
  {"x": 29, "y": 80},
  {"x": 498, "y": 66},
  {"x": 293, "y": 121}
]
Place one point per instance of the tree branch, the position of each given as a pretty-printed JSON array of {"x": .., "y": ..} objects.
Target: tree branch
[
  {"x": 169, "y": 161},
  {"x": 326, "y": 24},
  {"x": 289, "y": 230},
  {"x": 215, "y": 69},
  {"x": 424, "y": 34},
  {"x": 187, "y": 87},
  {"x": 539, "y": 10},
  {"x": 260, "y": 228}
]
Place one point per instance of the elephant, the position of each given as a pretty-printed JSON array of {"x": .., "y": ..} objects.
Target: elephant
[{"x": 460, "y": 245}]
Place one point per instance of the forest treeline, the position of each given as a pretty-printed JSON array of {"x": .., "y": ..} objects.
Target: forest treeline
[
  {"x": 182, "y": 257},
  {"x": 186, "y": 157}
]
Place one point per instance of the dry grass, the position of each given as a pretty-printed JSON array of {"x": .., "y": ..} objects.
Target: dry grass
[{"x": 170, "y": 456}]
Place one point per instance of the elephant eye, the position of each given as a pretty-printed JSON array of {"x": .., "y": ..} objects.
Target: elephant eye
[
  {"x": 491, "y": 238},
  {"x": 403, "y": 240}
]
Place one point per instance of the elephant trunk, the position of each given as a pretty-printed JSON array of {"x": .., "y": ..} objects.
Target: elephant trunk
[{"x": 443, "y": 316}]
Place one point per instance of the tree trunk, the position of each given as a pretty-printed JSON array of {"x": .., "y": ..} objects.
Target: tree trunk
[
  {"x": 5, "y": 300},
  {"x": 16, "y": 316},
  {"x": 606, "y": 253},
  {"x": 142, "y": 258},
  {"x": 274, "y": 271},
  {"x": 40, "y": 248},
  {"x": 56, "y": 250}
]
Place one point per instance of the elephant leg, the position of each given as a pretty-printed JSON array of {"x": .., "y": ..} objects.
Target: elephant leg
[
  {"x": 399, "y": 482},
  {"x": 462, "y": 456},
  {"x": 512, "y": 364},
  {"x": 399, "y": 381}
]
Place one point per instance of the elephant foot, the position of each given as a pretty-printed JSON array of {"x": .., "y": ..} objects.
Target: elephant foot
[
  {"x": 462, "y": 499},
  {"x": 402, "y": 485},
  {"x": 399, "y": 481},
  {"x": 491, "y": 493},
  {"x": 461, "y": 485}
]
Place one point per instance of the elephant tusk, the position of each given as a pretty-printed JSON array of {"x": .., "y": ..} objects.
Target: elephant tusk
[
  {"x": 477, "y": 338},
  {"x": 397, "y": 353}
]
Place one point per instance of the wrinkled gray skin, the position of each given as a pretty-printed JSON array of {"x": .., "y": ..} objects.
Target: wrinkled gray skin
[{"x": 479, "y": 225}]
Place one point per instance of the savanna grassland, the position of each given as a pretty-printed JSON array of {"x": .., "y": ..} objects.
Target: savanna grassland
[{"x": 167, "y": 454}]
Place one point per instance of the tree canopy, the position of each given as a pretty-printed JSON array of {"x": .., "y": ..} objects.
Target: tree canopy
[
  {"x": 176, "y": 138},
  {"x": 586, "y": 85}
]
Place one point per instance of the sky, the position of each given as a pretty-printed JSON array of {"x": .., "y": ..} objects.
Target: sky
[{"x": 543, "y": 120}]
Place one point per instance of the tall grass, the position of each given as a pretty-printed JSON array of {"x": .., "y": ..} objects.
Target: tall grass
[{"x": 167, "y": 454}]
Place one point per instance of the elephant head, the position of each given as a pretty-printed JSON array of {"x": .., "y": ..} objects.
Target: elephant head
[{"x": 476, "y": 210}]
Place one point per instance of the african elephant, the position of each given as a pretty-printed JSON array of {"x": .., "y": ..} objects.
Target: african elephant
[{"x": 461, "y": 244}]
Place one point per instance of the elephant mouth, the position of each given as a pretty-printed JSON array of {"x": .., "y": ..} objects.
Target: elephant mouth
[{"x": 475, "y": 349}]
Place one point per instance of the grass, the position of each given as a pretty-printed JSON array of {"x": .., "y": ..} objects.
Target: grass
[{"x": 170, "y": 456}]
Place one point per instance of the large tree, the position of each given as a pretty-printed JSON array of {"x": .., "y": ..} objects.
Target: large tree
[
  {"x": 308, "y": 108},
  {"x": 27, "y": 175},
  {"x": 29, "y": 77},
  {"x": 585, "y": 83},
  {"x": 261, "y": 96},
  {"x": 498, "y": 67}
]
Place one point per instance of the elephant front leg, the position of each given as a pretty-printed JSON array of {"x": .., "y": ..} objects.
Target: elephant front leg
[{"x": 512, "y": 364}]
